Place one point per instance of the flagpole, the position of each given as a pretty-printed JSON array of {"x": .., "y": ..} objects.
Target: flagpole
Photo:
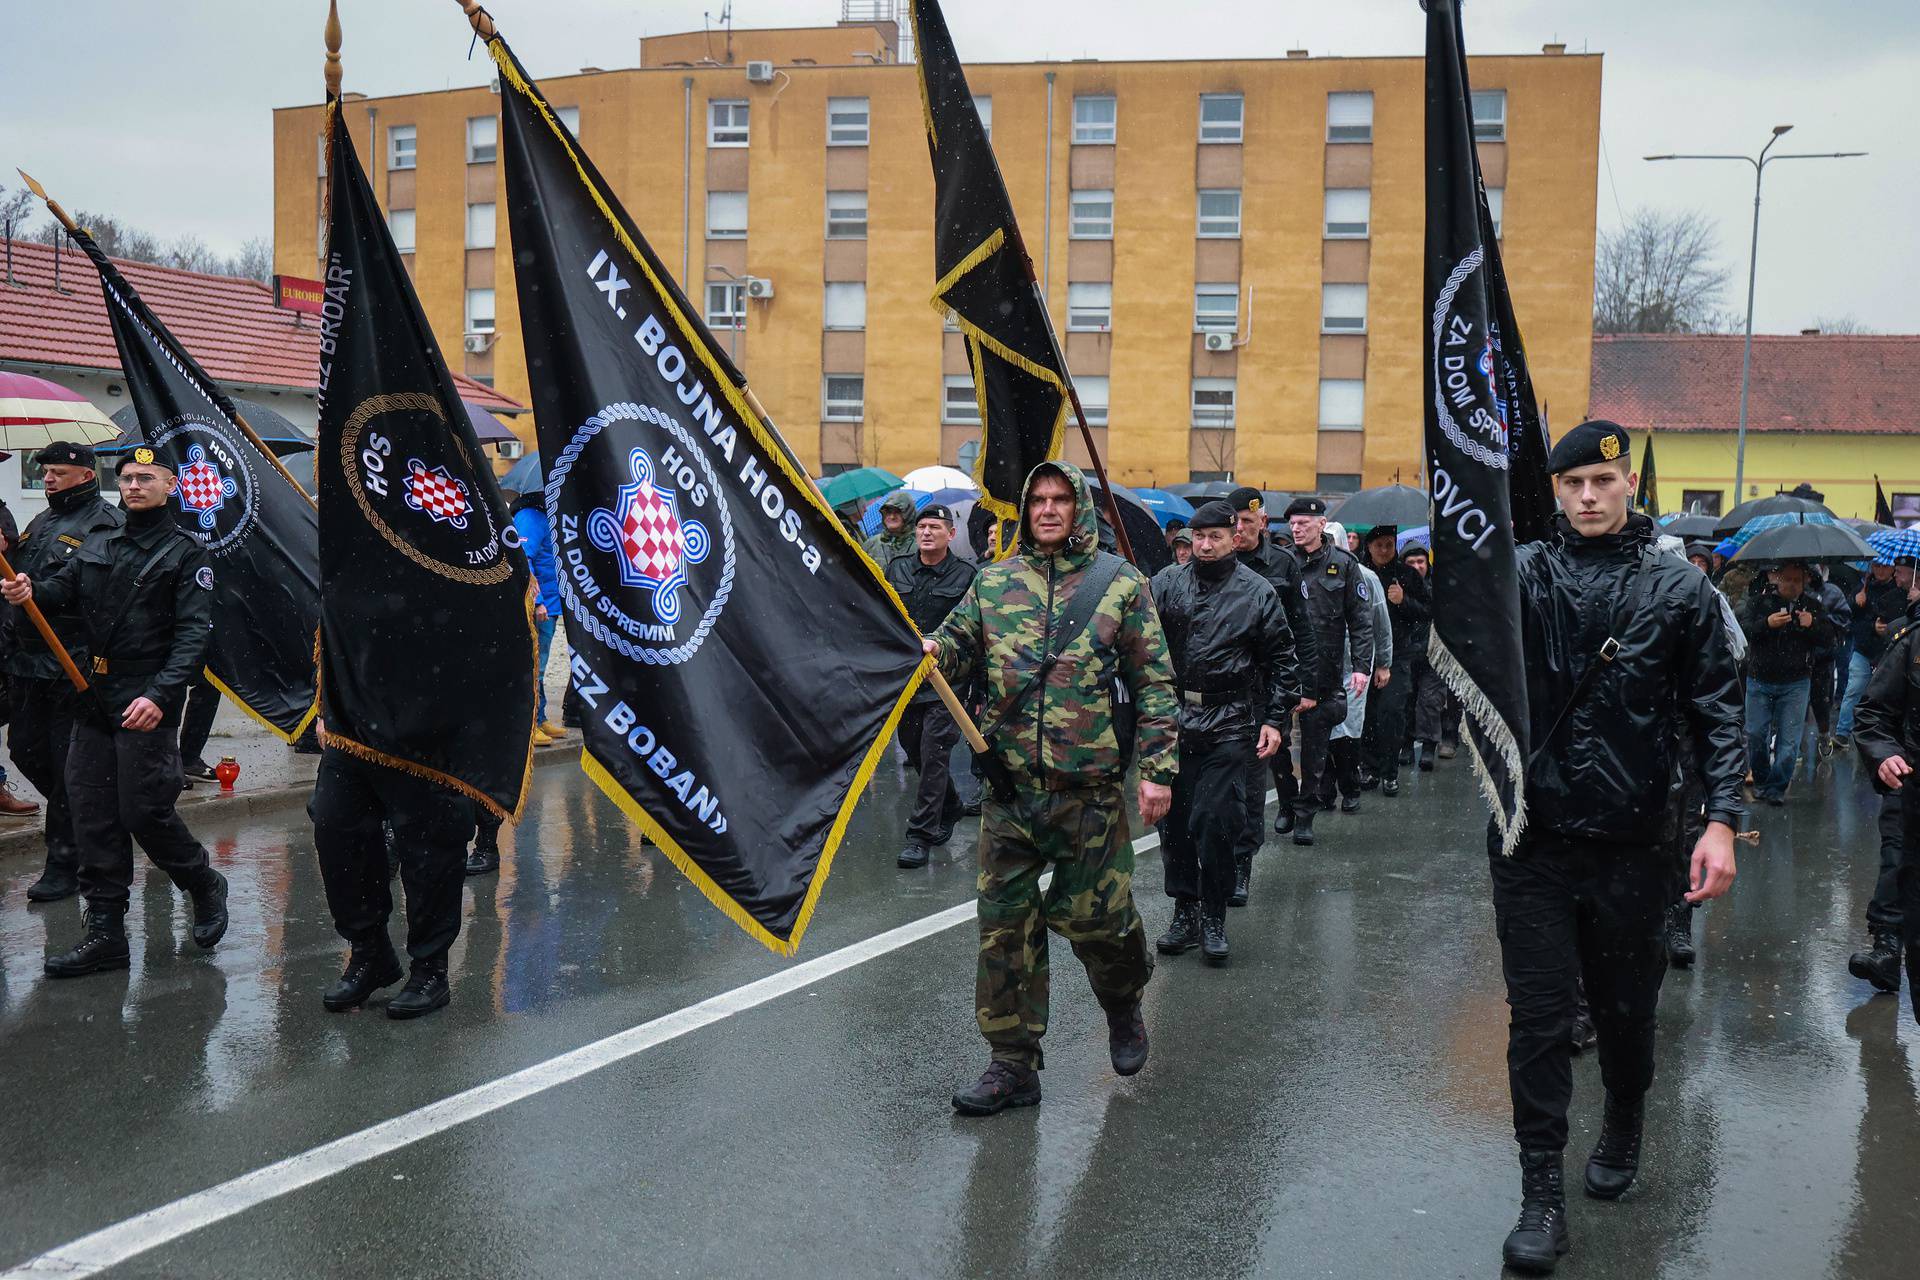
[{"x": 45, "y": 629}]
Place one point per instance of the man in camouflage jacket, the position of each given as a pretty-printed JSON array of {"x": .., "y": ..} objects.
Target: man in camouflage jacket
[
  {"x": 896, "y": 528},
  {"x": 1062, "y": 765}
]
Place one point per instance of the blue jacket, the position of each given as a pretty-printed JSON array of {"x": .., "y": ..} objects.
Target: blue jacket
[{"x": 536, "y": 539}]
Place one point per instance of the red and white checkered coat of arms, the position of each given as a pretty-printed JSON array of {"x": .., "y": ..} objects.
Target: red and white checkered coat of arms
[{"x": 652, "y": 544}]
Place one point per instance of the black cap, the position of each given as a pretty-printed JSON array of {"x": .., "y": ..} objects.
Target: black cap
[
  {"x": 1588, "y": 443},
  {"x": 935, "y": 511},
  {"x": 1246, "y": 499},
  {"x": 1216, "y": 514},
  {"x": 65, "y": 453},
  {"x": 1306, "y": 507},
  {"x": 1381, "y": 531},
  {"x": 144, "y": 456}
]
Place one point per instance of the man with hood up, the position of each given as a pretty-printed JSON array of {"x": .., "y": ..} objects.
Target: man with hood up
[
  {"x": 1064, "y": 640},
  {"x": 896, "y": 528}
]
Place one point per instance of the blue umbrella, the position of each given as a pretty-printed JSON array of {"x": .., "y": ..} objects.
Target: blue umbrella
[
  {"x": 525, "y": 475},
  {"x": 1410, "y": 536},
  {"x": 870, "y": 522},
  {"x": 1166, "y": 507},
  {"x": 1895, "y": 544},
  {"x": 1760, "y": 524}
]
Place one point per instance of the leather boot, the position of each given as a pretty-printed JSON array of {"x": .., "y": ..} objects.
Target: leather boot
[
  {"x": 102, "y": 947},
  {"x": 914, "y": 855},
  {"x": 1002, "y": 1085},
  {"x": 1283, "y": 820},
  {"x": 369, "y": 968},
  {"x": 426, "y": 991},
  {"x": 60, "y": 879},
  {"x": 1537, "y": 1242},
  {"x": 1242, "y": 881},
  {"x": 1127, "y": 1040},
  {"x": 1423, "y": 756},
  {"x": 1183, "y": 935},
  {"x": 1680, "y": 936},
  {"x": 1616, "y": 1157},
  {"x": 1303, "y": 827},
  {"x": 210, "y": 911},
  {"x": 1880, "y": 964},
  {"x": 483, "y": 860},
  {"x": 1213, "y": 938}
]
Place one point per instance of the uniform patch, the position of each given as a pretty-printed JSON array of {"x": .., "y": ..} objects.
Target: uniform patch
[
  {"x": 204, "y": 576},
  {"x": 70, "y": 540},
  {"x": 1361, "y": 587}
]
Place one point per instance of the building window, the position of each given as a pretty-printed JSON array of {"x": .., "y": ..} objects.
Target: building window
[
  {"x": 1490, "y": 115},
  {"x": 1343, "y": 308},
  {"x": 401, "y": 146},
  {"x": 846, "y": 122},
  {"x": 483, "y": 139},
  {"x": 1216, "y": 308},
  {"x": 727, "y": 123},
  {"x": 479, "y": 311},
  {"x": 1093, "y": 118},
  {"x": 846, "y": 215},
  {"x": 1090, "y": 215},
  {"x": 1090, "y": 307},
  {"x": 727, "y": 305},
  {"x": 1350, "y": 117},
  {"x": 1219, "y": 215},
  {"x": 844, "y": 397},
  {"x": 399, "y": 225},
  {"x": 1342, "y": 404},
  {"x": 983, "y": 103},
  {"x": 570, "y": 117},
  {"x": 1906, "y": 510},
  {"x": 1213, "y": 402},
  {"x": 958, "y": 405},
  {"x": 1222, "y": 117},
  {"x": 1093, "y": 399},
  {"x": 480, "y": 226},
  {"x": 1706, "y": 502},
  {"x": 1348, "y": 212},
  {"x": 846, "y": 305},
  {"x": 726, "y": 215},
  {"x": 1337, "y": 482},
  {"x": 1496, "y": 207}
]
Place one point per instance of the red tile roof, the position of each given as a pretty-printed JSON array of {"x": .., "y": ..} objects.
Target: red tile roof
[
  {"x": 1800, "y": 382},
  {"x": 229, "y": 325}
]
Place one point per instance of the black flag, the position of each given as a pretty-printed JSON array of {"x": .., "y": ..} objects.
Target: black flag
[
  {"x": 427, "y": 642},
  {"x": 983, "y": 276},
  {"x": 1488, "y": 475},
  {"x": 1648, "y": 497},
  {"x": 1882, "y": 509},
  {"x": 257, "y": 526},
  {"x": 741, "y": 664}
]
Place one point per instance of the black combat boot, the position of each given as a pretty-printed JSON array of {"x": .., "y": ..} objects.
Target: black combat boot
[
  {"x": 102, "y": 947},
  {"x": 1002, "y": 1085},
  {"x": 1350, "y": 803},
  {"x": 426, "y": 991},
  {"x": 58, "y": 881},
  {"x": 1127, "y": 1039},
  {"x": 1880, "y": 964},
  {"x": 1213, "y": 938},
  {"x": 1406, "y": 755},
  {"x": 1183, "y": 935},
  {"x": 1616, "y": 1157},
  {"x": 1390, "y": 787},
  {"x": 209, "y": 910},
  {"x": 914, "y": 855},
  {"x": 1423, "y": 756},
  {"x": 1539, "y": 1239},
  {"x": 1303, "y": 827},
  {"x": 369, "y": 968},
  {"x": 484, "y": 858},
  {"x": 1283, "y": 820},
  {"x": 1680, "y": 935},
  {"x": 1242, "y": 881}
]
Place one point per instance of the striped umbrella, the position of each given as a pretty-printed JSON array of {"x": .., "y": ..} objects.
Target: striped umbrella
[
  {"x": 1895, "y": 544},
  {"x": 1760, "y": 524},
  {"x": 34, "y": 413}
]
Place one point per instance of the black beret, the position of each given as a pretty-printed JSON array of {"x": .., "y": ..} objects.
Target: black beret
[
  {"x": 145, "y": 457},
  {"x": 935, "y": 511},
  {"x": 1214, "y": 515},
  {"x": 1382, "y": 531},
  {"x": 1306, "y": 507},
  {"x": 65, "y": 453},
  {"x": 1588, "y": 443},
  {"x": 1246, "y": 499}
]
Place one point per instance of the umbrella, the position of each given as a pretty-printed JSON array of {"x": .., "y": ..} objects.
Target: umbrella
[
  {"x": 1866, "y": 528},
  {"x": 1167, "y": 507},
  {"x": 1143, "y": 528},
  {"x": 1688, "y": 526},
  {"x": 1760, "y": 524},
  {"x": 1775, "y": 504},
  {"x": 487, "y": 429},
  {"x": 34, "y": 413},
  {"x": 859, "y": 484},
  {"x": 1804, "y": 541},
  {"x": 937, "y": 478},
  {"x": 1395, "y": 504},
  {"x": 870, "y": 521},
  {"x": 525, "y": 475},
  {"x": 299, "y": 466},
  {"x": 1201, "y": 489},
  {"x": 1895, "y": 544},
  {"x": 275, "y": 430},
  {"x": 1410, "y": 536}
]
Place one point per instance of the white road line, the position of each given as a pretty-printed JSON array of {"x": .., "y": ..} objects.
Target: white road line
[{"x": 110, "y": 1246}]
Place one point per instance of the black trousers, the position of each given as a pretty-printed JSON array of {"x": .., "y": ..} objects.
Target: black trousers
[
  {"x": 38, "y": 737},
  {"x": 431, "y": 826},
  {"x": 196, "y": 722},
  {"x": 1566, "y": 910},
  {"x": 1429, "y": 701},
  {"x": 122, "y": 786},
  {"x": 1387, "y": 721},
  {"x": 1884, "y": 909},
  {"x": 1203, "y": 829},
  {"x": 927, "y": 734},
  {"x": 1316, "y": 755},
  {"x": 1909, "y": 882}
]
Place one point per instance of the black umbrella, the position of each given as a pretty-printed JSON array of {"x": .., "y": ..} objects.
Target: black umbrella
[
  {"x": 1866, "y": 528},
  {"x": 1395, "y": 504},
  {"x": 1804, "y": 543},
  {"x": 1149, "y": 541},
  {"x": 1690, "y": 527},
  {"x": 274, "y": 429},
  {"x": 1774, "y": 504}
]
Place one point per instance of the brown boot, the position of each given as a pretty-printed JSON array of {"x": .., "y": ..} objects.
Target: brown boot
[{"x": 12, "y": 806}]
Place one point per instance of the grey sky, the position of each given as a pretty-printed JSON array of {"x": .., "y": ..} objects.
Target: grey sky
[{"x": 161, "y": 112}]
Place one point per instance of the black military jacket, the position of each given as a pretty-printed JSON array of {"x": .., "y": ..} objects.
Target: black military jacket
[
  {"x": 1232, "y": 652},
  {"x": 1341, "y": 615},
  {"x": 52, "y": 538},
  {"x": 1276, "y": 564},
  {"x": 929, "y": 592},
  {"x": 1411, "y": 615},
  {"x": 1888, "y": 721},
  {"x": 144, "y": 593}
]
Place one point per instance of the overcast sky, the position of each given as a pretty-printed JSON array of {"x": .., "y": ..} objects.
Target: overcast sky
[{"x": 161, "y": 112}]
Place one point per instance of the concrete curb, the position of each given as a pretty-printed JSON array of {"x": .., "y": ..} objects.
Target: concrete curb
[{"x": 205, "y": 803}]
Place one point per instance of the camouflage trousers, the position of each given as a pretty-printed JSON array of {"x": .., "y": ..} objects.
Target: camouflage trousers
[{"x": 1082, "y": 835}]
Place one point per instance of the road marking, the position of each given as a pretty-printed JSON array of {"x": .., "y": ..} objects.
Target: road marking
[{"x": 110, "y": 1246}]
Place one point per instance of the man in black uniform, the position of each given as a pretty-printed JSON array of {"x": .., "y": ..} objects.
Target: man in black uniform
[
  {"x": 1621, "y": 643},
  {"x": 144, "y": 595},
  {"x": 1341, "y": 622},
  {"x": 1887, "y": 731},
  {"x": 1409, "y": 610},
  {"x": 1233, "y": 668},
  {"x": 930, "y": 583},
  {"x": 1258, "y": 552},
  {"x": 42, "y": 697}
]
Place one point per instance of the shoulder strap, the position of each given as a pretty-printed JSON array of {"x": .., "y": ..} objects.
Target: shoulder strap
[
  {"x": 127, "y": 597},
  {"x": 1099, "y": 575},
  {"x": 1608, "y": 651}
]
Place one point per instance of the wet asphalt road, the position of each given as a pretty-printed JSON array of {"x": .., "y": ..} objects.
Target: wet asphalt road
[{"x": 1333, "y": 1104}]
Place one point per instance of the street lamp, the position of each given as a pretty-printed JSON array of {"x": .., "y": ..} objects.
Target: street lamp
[{"x": 1759, "y": 164}]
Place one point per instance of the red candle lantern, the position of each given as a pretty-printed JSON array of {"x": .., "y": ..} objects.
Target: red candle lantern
[{"x": 227, "y": 770}]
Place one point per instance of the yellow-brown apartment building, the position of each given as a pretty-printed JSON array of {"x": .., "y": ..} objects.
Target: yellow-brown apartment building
[{"x": 1231, "y": 249}]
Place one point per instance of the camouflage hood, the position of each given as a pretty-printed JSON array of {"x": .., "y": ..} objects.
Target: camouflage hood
[
  {"x": 901, "y": 501},
  {"x": 882, "y": 545},
  {"x": 1085, "y": 538}
]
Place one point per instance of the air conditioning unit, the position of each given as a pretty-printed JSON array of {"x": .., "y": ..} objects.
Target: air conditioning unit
[
  {"x": 511, "y": 449},
  {"x": 759, "y": 73},
  {"x": 759, "y": 287},
  {"x": 477, "y": 343},
  {"x": 1220, "y": 340}
]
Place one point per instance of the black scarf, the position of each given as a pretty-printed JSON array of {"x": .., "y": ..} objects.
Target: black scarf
[{"x": 73, "y": 499}]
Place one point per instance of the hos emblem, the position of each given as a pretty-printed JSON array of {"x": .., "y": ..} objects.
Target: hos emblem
[
  {"x": 460, "y": 539},
  {"x": 216, "y": 481},
  {"x": 654, "y": 547}
]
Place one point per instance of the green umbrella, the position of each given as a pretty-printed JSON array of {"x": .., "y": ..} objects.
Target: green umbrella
[{"x": 858, "y": 485}]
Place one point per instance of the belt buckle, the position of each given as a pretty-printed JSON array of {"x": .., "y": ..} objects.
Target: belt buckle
[
  {"x": 1197, "y": 699},
  {"x": 1609, "y": 650},
  {"x": 99, "y": 666}
]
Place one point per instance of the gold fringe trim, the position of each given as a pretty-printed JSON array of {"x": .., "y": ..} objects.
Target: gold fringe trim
[
  {"x": 313, "y": 709},
  {"x": 981, "y": 252},
  {"x": 926, "y": 99}
]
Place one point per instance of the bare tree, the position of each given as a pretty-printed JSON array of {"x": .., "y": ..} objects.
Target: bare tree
[
  {"x": 254, "y": 261},
  {"x": 16, "y": 207},
  {"x": 1841, "y": 325},
  {"x": 1657, "y": 274}
]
